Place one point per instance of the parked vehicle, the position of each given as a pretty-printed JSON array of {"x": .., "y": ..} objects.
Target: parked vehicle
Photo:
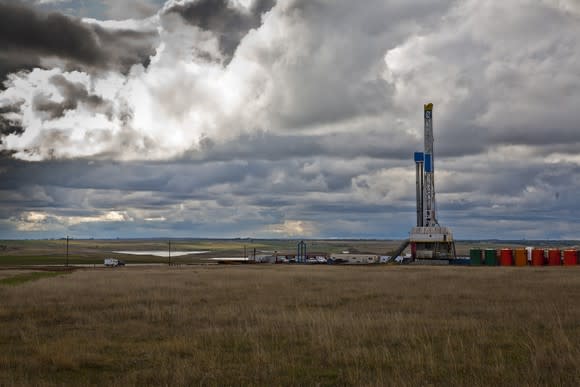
[{"x": 113, "y": 262}]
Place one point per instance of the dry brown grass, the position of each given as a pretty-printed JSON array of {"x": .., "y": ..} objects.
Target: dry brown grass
[
  {"x": 294, "y": 325},
  {"x": 11, "y": 273}
]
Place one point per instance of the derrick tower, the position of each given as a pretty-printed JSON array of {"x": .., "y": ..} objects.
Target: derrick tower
[{"x": 428, "y": 239}]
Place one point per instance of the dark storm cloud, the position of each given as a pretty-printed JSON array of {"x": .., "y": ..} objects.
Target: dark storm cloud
[
  {"x": 61, "y": 184},
  {"x": 73, "y": 94},
  {"x": 80, "y": 188},
  {"x": 13, "y": 62},
  {"x": 230, "y": 24},
  {"x": 178, "y": 178},
  {"x": 27, "y": 36}
]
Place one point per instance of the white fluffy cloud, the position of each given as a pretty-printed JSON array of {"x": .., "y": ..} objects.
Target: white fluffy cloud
[
  {"x": 42, "y": 221},
  {"x": 295, "y": 71}
]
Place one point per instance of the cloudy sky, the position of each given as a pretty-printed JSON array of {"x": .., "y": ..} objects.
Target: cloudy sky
[{"x": 287, "y": 118}]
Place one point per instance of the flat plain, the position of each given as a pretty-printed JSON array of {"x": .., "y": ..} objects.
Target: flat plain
[
  {"x": 93, "y": 251},
  {"x": 292, "y": 325}
]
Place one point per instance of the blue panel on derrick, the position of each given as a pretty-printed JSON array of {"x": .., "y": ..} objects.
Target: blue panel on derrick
[
  {"x": 428, "y": 163},
  {"x": 419, "y": 157}
]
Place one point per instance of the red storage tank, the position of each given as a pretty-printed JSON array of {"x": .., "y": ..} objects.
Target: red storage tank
[
  {"x": 537, "y": 257},
  {"x": 506, "y": 257},
  {"x": 554, "y": 257},
  {"x": 570, "y": 257}
]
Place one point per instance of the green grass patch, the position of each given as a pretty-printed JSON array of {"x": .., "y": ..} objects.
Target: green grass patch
[{"x": 28, "y": 277}]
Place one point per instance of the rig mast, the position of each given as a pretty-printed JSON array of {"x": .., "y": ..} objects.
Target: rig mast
[
  {"x": 428, "y": 240},
  {"x": 430, "y": 220}
]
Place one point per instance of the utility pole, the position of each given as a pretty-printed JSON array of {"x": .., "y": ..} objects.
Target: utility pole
[
  {"x": 169, "y": 253},
  {"x": 67, "y": 250}
]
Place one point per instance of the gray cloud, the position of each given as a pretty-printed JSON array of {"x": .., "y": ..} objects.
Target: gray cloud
[
  {"x": 127, "y": 9},
  {"x": 27, "y": 36},
  {"x": 229, "y": 23},
  {"x": 9, "y": 125},
  {"x": 73, "y": 94},
  {"x": 505, "y": 81},
  {"x": 271, "y": 146},
  {"x": 272, "y": 191}
]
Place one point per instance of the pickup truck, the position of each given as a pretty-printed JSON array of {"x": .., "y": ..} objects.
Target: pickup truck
[{"x": 113, "y": 262}]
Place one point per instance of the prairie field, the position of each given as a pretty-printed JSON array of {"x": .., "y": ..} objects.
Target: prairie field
[
  {"x": 284, "y": 325},
  {"x": 16, "y": 253},
  {"x": 90, "y": 251}
]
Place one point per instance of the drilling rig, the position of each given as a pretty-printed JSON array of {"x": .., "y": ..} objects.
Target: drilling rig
[{"x": 428, "y": 239}]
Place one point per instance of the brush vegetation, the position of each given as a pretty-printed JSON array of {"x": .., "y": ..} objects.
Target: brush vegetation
[{"x": 293, "y": 325}]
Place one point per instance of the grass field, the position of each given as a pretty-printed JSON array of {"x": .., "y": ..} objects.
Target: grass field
[{"x": 293, "y": 325}]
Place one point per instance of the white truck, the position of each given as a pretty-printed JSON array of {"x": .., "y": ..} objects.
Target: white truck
[{"x": 113, "y": 262}]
